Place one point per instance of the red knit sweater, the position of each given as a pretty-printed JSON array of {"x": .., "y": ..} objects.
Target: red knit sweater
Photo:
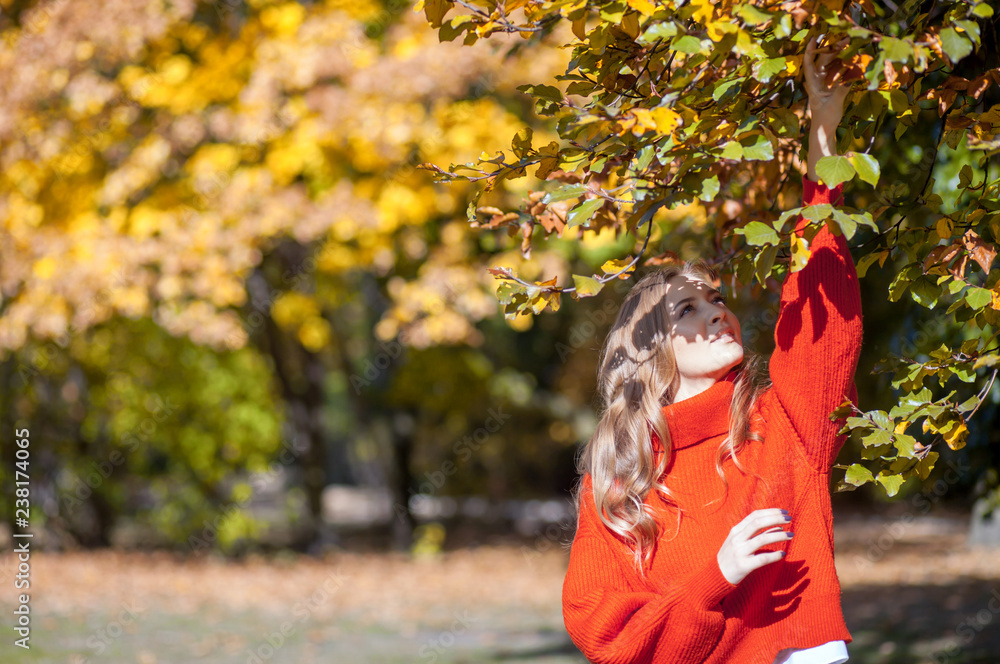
[{"x": 685, "y": 611}]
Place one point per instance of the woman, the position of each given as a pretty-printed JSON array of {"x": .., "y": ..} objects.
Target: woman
[{"x": 679, "y": 555}]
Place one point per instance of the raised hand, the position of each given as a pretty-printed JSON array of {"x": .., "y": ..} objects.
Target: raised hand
[{"x": 823, "y": 85}]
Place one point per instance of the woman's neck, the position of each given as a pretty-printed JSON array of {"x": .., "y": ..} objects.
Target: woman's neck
[{"x": 694, "y": 385}]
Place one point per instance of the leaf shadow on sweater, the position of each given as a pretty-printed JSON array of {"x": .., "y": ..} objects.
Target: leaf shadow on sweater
[
  {"x": 824, "y": 260},
  {"x": 784, "y": 584}
]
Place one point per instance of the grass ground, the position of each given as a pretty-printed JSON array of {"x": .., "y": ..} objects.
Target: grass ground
[{"x": 913, "y": 593}]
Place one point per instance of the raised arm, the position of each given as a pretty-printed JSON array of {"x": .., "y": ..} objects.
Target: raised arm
[
  {"x": 819, "y": 328},
  {"x": 612, "y": 618}
]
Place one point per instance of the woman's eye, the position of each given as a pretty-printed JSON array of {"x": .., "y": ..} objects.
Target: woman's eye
[{"x": 686, "y": 307}]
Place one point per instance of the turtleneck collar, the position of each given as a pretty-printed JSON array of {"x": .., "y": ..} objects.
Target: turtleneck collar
[{"x": 700, "y": 417}]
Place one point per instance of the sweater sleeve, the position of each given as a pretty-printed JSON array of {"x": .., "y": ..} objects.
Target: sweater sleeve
[
  {"x": 818, "y": 336},
  {"x": 612, "y": 618}
]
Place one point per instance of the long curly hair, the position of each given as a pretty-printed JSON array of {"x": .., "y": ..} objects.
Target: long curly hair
[{"x": 637, "y": 377}]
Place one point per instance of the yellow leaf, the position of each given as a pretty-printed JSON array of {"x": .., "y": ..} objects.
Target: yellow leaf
[
  {"x": 630, "y": 24},
  {"x": 901, "y": 427},
  {"x": 800, "y": 252},
  {"x": 284, "y": 20},
  {"x": 793, "y": 64},
  {"x": 716, "y": 29},
  {"x": 704, "y": 9},
  {"x": 644, "y": 7},
  {"x": 45, "y": 268},
  {"x": 314, "y": 334},
  {"x": 616, "y": 265},
  {"x": 956, "y": 437},
  {"x": 665, "y": 120},
  {"x": 944, "y": 228},
  {"x": 996, "y": 297}
]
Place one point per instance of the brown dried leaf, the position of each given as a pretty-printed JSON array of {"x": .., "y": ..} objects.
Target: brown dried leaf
[
  {"x": 958, "y": 269},
  {"x": 939, "y": 257},
  {"x": 526, "y": 228},
  {"x": 956, "y": 83},
  {"x": 665, "y": 258},
  {"x": 564, "y": 176},
  {"x": 978, "y": 86},
  {"x": 981, "y": 251},
  {"x": 889, "y": 71}
]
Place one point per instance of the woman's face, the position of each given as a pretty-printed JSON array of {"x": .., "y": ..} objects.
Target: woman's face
[{"x": 704, "y": 333}]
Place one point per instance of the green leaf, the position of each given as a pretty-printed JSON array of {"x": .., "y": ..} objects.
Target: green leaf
[
  {"x": 857, "y": 475},
  {"x": 965, "y": 176},
  {"x": 819, "y": 212},
  {"x": 983, "y": 10},
  {"x": 586, "y": 286},
  {"x": 765, "y": 261},
  {"x": 834, "y": 170},
  {"x": 865, "y": 219},
  {"x": 758, "y": 233},
  {"x": 722, "y": 88},
  {"x": 926, "y": 465},
  {"x": 866, "y": 262},
  {"x": 753, "y": 16},
  {"x": 977, "y": 297},
  {"x": 881, "y": 419},
  {"x": 686, "y": 44},
  {"x": 521, "y": 143},
  {"x": 564, "y": 193},
  {"x": 761, "y": 150},
  {"x": 644, "y": 158},
  {"x": 768, "y": 68},
  {"x": 732, "y": 150},
  {"x": 866, "y": 166},
  {"x": 925, "y": 293},
  {"x": 709, "y": 188},
  {"x": 877, "y": 437},
  {"x": 659, "y": 30},
  {"x": 897, "y": 50},
  {"x": 954, "y": 45},
  {"x": 971, "y": 30},
  {"x": 890, "y": 482},
  {"x": 905, "y": 445},
  {"x": 989, "y": 360},
  {"x": 744, "y": 270},
  {"x": 846, "y": 222},
  {"x": 582, "y": 213},
  {"x": 898, "y": 101}
]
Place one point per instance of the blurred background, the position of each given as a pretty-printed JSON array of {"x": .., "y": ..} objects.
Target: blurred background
[{"x": 275, "y": 412}]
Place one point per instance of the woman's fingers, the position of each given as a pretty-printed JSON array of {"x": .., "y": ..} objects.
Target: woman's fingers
[
  {"x": 768, "y": 538},
  {"x": 736, "y": 556},
  {"x": 762, "y": 559}
]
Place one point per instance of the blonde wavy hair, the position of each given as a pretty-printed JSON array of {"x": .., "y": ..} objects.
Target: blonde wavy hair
[{"x": 637, "y": 376}]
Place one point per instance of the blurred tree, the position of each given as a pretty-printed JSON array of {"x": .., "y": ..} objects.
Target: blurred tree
[{"x": 246, "y": 173}]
